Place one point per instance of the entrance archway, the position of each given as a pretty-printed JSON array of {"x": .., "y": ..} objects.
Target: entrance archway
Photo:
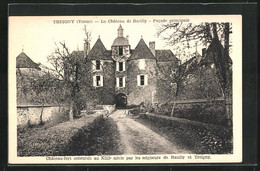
[{"x": 121, "y": 100}]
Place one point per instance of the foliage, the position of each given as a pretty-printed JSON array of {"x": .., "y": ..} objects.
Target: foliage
[
  {"x": 185, "y": 34},
  {"x": 181, "y": 35}
]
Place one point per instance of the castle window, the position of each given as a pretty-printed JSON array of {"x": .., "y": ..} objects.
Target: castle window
[
  {"x": 98, "y": 64},
  {"x": 120, "y": 82},
  {"x": 98, "y": 81},
  {"x": 120, "y": 50},
  {"x": 120, "y": 66},
  {"x": 142, "y": 80}
]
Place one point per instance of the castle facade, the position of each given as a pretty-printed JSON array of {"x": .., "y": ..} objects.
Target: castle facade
[{"x": 125, "y": 75}]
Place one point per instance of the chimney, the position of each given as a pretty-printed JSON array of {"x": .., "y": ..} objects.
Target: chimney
[
  {"x": 203, "y": 52},
  {"x": 152, "y": 47},
  {"x": 86, "y": 48},
  {"x": 127, "y": 37}
]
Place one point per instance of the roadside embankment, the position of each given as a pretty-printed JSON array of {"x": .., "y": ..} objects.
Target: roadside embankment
[
  {"x": 51, "y": 141},
  {"x": 200, "y": 138}
]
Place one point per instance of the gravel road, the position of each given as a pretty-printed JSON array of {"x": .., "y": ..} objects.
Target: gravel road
[{"x": 136, "y": 138}]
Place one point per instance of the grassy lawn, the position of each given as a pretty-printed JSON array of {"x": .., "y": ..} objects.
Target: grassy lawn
[
  {"x": 51, "y": 141},
  {"x": 98, "y": 138},
  {"x": 195, "y": 136}
]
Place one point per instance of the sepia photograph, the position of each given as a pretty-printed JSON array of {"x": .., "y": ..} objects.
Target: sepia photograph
[{"x": 125, "y": 89}]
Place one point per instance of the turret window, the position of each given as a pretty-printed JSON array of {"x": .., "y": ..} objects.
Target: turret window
[
  {"x": 120, "y": 50},
  {"x": 142, "y": 80}
]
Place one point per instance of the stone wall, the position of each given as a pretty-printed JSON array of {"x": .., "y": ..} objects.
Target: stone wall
[
  {"x": 30, "y": 115},
  {"x": 104, "y": 95},
  {"x": 138, "y": 94}
]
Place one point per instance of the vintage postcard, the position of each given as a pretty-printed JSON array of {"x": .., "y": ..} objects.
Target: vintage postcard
[{"x": 125, "y": 89}]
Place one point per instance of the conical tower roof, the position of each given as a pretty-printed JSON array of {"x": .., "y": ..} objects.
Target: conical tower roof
[
  {"x": 23, "y": 61},
  {"x": 142, "y": 51},
  {"x": 99, "y": 52}
]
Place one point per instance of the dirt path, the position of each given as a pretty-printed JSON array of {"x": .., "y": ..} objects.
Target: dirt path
[{"x": 136, "y": 138}]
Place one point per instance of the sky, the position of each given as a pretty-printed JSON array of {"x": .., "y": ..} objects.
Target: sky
[{"x": 36, "y": 35}]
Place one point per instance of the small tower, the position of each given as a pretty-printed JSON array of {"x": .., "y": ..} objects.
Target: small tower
[
  {"x": 120, "y": 47},
  {"x": 120, "y": 31}
]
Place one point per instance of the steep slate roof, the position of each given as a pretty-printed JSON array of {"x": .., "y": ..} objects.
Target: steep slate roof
[
  {"x": 141, "y": 51},
  {"x": 99, "y": 52},
  {"x": 165, "y": 55},
  {"x": 23, "y": 61}
]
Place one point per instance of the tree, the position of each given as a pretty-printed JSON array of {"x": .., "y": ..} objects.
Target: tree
[
  {"x": 204, "y": 34},
  {"x": 172, "y": 76},
  {"x": 70, "y": 67}
]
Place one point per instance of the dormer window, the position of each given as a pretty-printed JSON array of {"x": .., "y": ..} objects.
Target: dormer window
[{"x": 120, "y": 50}]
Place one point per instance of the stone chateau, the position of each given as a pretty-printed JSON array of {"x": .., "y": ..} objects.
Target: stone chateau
[{"x": 126, "y": 74}]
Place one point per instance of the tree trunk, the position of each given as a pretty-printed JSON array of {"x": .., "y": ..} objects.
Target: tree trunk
[
  {"x": 71, "y": 111},
  {"x": 228, "y": 82},
  {"x": 173, "y": 107},
  {"x": 228, "y": 109},
  {"x": 41, "y": 121},
  {"x": 215, "y": 33}
]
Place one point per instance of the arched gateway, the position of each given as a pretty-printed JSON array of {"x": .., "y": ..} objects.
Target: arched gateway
[{"x": 121, "y": 100}]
